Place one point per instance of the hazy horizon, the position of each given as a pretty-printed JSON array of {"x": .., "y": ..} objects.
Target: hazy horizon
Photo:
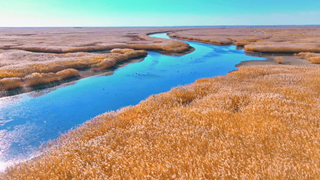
[
  {"x": 159, "y": 26},
  {"x": 138, "y": 13}
]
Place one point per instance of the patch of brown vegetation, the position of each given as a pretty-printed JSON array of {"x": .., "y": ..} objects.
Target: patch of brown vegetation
[
  {"x": 123, "y": 55},
  {"x": 35, "y": 79},
  {"x": 10, "y": 83},
  {"x": 42, "y": 68},
  {"x": 70, "y": 40},
  {"x": 283, "y": 47},
  {"x": 67, "y": 73},
  {"x": 40, "y": 78},
  {"x": 258, "y": 39},
  {"x": 278, "y": 60},
  {"x": 256, "y": 123},
  {"x": 312, "y": 57}
]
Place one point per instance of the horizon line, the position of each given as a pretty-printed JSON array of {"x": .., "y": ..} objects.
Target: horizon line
[{"x": 157, "y": 26}]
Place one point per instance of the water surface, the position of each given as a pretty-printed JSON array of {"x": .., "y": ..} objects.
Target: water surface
[{"x": 29, "y": 119}]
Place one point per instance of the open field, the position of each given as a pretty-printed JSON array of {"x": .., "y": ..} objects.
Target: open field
[{"x": 260, "y": 122}]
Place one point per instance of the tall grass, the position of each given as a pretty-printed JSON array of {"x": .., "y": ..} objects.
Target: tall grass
[
  {"x": 34, "y": 74},
  {"x": 271, "y": 40},
  {"x": 259, "y": 122},
  {"x": 314, "y": 58},
  {"x": 275, "y": 47},
  {"x": 10, "y": 83}
]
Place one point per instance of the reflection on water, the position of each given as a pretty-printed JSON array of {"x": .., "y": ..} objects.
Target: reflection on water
[{"x": 27, "y": 120}]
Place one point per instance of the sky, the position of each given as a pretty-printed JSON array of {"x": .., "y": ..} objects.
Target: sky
[{"x": 101, "y": 13}]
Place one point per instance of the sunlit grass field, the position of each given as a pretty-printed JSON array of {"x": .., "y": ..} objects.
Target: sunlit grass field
[
  {"x": 52, "y": 71},
  {"x": 260, "y": 122}
]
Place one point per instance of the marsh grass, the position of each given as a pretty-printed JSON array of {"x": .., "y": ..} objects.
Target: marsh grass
[
  {"x": 314, "y": 58},
  {"x": 275, "y": 47},
  {"x": 256, "y": 123},
  {"x": 51, "y": 71},
  {"x": 271, "y": 39},
  {"x": 10, "y": 83}
]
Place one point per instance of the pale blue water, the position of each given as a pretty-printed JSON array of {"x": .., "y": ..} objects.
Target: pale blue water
[{"x": 27, "y": 121}]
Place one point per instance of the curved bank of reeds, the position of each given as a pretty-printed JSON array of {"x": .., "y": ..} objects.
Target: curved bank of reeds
[
  {"x": 256, "y": 123},
  {"x": 146, "y": 43},
  {"x": 216, "y": 41},
  {"x": 272, "y": 40},
  {"x": 311, "y": 57},
  {"x": 34, "y": 74}
]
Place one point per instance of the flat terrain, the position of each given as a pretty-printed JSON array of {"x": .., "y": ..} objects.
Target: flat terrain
[
  {"x": 260, "y": 122},
  {"x": 259, "y": 39},
  {"x": 38, "y": 54}
]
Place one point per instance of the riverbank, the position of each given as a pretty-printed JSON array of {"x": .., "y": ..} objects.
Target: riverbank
[
  {"x": 50, "y": 68},
  {"x": 29, "y": 58},
  {"x": 260, "y": 121},
  {"x": 42, "y": 53},
  {"x": 285, "y": 39},
  {"x": 287, "y": 59},
  {"x": 281, "y": 89}
]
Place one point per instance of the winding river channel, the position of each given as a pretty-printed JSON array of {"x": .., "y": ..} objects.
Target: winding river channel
[{"x": 31, "y": 119}]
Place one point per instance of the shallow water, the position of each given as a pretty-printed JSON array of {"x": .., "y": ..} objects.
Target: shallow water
[{"x": 30, "y": 119}]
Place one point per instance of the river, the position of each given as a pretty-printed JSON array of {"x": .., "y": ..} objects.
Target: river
[{"x": 31, "y": 119}]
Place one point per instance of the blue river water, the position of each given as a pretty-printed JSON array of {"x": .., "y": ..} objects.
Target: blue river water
[{"x": 29, "y": 120}]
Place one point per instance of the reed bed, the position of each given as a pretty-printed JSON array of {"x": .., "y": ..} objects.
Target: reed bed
[
  {"x": 314, "y": 58},
  {"x": 63, "y": 66},
  {"x": 259, "y": 122},
  {"x": 35, "y": 79},
  {"x": 283, "y": 47},
  {"x": 216, "y": 40},
  {"x": 70, "y": 40},
  {"x": 258, "y": 39}
]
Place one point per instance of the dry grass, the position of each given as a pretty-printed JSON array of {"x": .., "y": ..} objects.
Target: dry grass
[
  {"x": 283, "y": 47},
  {"x": 67, "y": 73},
  {"x": 37, "y": 79},
  {"x": 278, "y": 60},
  {"x": 40, "y": 78},
  {"x": 256, "y": 123},
  {"x": 121, "y": 51},
  {"x": 48, "y": 68},
  {"x": 271, "y": 40},
  {"x": 216, "y": 40},
  {"x": 314, "y": 58},
  {"x": 70, "y": 40},
  {"x": 44, "y": 78},
  {"x": 10, "y": 83}
]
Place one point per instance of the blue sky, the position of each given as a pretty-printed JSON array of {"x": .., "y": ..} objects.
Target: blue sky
[{"x": 34, "y": 13}]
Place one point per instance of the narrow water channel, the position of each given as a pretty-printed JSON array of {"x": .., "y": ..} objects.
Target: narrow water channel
[{"x": 30, "y": 119}]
